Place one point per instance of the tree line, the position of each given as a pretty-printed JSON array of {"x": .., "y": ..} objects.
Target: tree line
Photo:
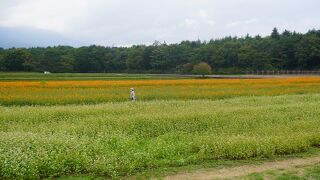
[{"x": 278, "y": 51}]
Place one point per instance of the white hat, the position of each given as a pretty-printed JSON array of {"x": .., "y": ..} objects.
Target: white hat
[{"x": 131, "y": 89}]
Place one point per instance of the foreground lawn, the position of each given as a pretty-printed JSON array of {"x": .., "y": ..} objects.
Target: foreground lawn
[{"x": 122, "y": 138}]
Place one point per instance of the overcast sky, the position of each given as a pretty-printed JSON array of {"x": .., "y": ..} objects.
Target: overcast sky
[{"x": 127, "y": 22}]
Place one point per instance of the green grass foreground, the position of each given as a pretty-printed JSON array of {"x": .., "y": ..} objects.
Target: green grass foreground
[{"x": 122, "y": 138}]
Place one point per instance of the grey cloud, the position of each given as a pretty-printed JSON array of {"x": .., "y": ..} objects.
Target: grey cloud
[{"x": 126, "y": 22}]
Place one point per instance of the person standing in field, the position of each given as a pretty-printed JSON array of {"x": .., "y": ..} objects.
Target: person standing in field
[{"x": 132, "y": 94}]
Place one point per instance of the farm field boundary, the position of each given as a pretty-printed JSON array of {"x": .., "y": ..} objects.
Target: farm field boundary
[
  {"x": 4, "y": 76},
  {"x": 237, "y": 172}
]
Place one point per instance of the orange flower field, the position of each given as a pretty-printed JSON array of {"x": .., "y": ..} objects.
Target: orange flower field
[{"x": 98, "y": 91}]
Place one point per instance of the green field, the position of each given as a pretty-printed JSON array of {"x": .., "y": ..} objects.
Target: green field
[
  {"x": 5, "y": 76},
  {"x": 122, "y": 138}
]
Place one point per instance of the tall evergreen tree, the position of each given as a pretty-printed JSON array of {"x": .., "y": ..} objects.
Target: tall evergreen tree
[{"x": 275, "y": 34}]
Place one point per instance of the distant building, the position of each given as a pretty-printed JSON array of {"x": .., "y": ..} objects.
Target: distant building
[{"x": 46, "y": 72}]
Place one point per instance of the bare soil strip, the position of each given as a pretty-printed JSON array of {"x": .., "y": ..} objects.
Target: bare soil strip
[{"x": 245, "y": 169}]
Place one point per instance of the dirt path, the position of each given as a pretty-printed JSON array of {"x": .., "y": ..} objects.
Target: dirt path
[{"x": 245, "y": 170}]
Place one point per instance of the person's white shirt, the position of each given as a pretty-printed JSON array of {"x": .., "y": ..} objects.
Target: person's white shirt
[{"x": 132, "y": 94}]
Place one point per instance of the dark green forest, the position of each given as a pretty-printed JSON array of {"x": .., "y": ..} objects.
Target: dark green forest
[{"x": 278, "y": 51}]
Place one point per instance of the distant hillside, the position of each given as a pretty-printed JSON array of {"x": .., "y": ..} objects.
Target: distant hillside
[{"x": 30, "y": 37}]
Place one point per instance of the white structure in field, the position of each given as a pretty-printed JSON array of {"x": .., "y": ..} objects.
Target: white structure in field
[{"x": 46, "y": 72}]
